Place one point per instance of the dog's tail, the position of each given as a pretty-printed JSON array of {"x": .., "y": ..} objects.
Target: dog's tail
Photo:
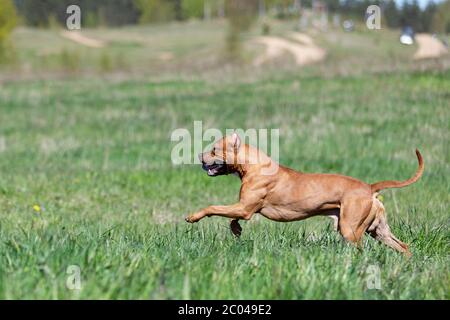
[{"x": 399, "y": 184}]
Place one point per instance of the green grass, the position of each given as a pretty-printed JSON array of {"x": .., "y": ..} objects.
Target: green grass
[{"x": 95, "y": 155}]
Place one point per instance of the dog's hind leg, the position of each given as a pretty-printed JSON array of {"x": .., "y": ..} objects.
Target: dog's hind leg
[
  {"x": 355, "y": 217},
  {"x": 380, "y": 230}
]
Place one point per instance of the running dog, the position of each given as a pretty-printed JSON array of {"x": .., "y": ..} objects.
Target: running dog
[{"x": 289, "y": 195}]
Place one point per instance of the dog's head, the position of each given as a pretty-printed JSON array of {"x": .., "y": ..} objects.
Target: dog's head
[{"x": 222, "y": 158}]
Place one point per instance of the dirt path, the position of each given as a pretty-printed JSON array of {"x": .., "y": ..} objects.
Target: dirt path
[
  {"x": 300, "y": 45},
  {"x": 81, "y": 39},
  {"x": 429, "y": 47}
]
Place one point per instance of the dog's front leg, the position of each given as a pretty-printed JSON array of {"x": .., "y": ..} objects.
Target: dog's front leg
[{"x": 235, "y": 211}]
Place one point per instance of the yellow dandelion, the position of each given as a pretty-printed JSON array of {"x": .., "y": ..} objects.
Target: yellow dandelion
[{"x": 37, "y": 208}]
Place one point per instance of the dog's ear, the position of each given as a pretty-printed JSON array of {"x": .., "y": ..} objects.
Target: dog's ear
[{"x": 235, "y": 140}]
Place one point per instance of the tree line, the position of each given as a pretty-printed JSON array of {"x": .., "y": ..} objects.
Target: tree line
[{"x": 433, "y": 18}]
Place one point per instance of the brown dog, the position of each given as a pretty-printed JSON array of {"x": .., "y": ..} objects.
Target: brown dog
[{"x": 289, "y": 195}]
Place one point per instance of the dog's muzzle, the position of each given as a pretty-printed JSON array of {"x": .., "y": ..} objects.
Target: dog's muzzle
[{"x": 214, "y": 169}]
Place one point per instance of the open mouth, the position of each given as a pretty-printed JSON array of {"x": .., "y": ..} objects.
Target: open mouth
[{"x": 212, "y": 169}]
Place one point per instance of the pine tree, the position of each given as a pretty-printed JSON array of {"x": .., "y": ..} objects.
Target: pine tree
[
  {"x": 427, "y": 16},
  {"x": 391, "y": 14}
]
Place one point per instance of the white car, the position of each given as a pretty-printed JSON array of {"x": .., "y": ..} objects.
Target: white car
[
  {"x": 406, "y": 39},
  {"x": 407, "y": 36}
]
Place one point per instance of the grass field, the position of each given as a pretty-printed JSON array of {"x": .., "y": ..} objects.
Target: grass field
[{"x": 95, "y": 156}]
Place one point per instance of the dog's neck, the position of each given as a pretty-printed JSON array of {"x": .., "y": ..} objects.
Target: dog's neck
[{"x": 250, "y": 161}]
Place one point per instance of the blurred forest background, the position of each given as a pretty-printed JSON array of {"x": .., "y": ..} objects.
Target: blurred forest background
[
  {"x": 197, "y": 35},
  {"x": 432, "y": 18}
]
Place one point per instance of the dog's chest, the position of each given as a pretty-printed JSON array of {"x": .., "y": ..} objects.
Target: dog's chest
[{"x": 283, "y": 214}]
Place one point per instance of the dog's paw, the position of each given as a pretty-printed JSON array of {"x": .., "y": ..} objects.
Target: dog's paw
[
  {"x": 190, "y": 218},
  {"x": 236, "y": 229}
]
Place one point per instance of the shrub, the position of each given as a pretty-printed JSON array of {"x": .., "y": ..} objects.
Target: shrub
[
  {"x": 8, "y": 20},
  {"x": 241, "y": 15},
  {"x": 70, "y": 60},
  {"x": 155, "y": 10}
]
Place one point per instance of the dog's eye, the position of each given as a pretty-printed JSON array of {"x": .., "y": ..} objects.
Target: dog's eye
[{"x": 213, "y": 151}]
